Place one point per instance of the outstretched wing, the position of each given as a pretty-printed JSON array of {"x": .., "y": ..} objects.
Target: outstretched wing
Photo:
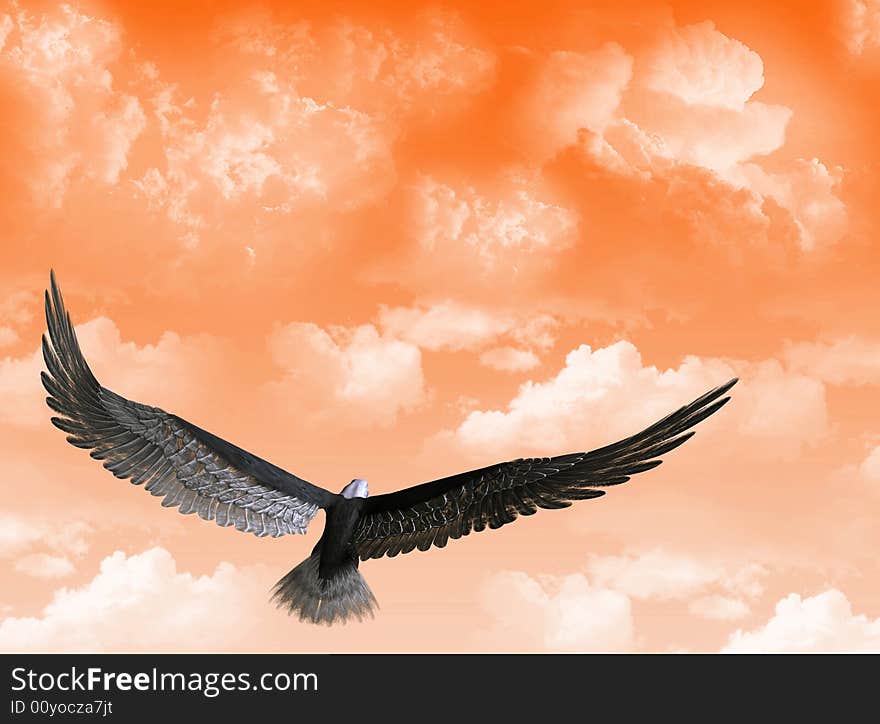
[
  {"x": 432, "y": 513},
  {"x": 193, "y": 469}
]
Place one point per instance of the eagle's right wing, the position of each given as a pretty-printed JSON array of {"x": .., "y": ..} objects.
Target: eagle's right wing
[
  {"x": 432, "y": 513},
  {"x": 191, "y": 468}
]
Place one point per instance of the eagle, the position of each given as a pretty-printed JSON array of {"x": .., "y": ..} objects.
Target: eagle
[{"x": 197, "y": 472}]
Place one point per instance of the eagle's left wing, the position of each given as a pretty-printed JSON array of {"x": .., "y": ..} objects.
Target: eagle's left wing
[
  {"x": 430, "y": 514},
  {"x": 194, "y": 470}
]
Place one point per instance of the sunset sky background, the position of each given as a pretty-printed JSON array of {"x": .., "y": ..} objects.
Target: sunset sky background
[{"x": 400, "y": 240}]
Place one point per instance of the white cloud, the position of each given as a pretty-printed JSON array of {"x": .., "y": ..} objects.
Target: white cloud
[
  {"x": 605, "y": 394},
  {"x": 143, "y": 603},
  {"x": 43, "y": 565},
  {"x": 371, "y": 377},
  {"x": 593, "y": 610},
  {"x": 864, "y": 472},
  {"x": 538, "y": 331},
  {"x": 437, "y": 66},
  {"x": 661, "y": 575},
  {"x": 20, "y": 390},
  {"x": 509, "y": 359},
  {"x": 847, "y": 361},
  {"x": 780, "y": 410},
  {"x": 870, "y": 466},
  {"x": 861, "y": 20},
  {"x": 260, "y": 140},
  {"x": 306, "y": 117},
  {"x": 694, "y": 105},
  {"x": 702, "y": 66},
  {"x": 17, "y": 308},
  {"x": 6, "y": 27},
  {"x": 75, "y": 124},
  {"x": 489, "y": 224},
  {"x": 173, "y": 368},
  {"x": 572, "y": 91},
  {"x": 8, "y": 336},
  {"x": 821, "y": 623},
  {"x": 807, "y": 190},
  {"x": 425, "y": 70},
  {"x": 715, "y": 138},
  {"x": 452, "y": 326},
  {"x": 696, "y": 86},
  {"x": 570, "y": 614},
  {"x": 719, "y": 608},
  {"x": 19, "y": 533},
  {"x": 445, "y": 325}
]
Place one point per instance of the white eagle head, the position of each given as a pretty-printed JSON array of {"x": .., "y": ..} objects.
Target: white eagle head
[{"x": 357, "y": 488}]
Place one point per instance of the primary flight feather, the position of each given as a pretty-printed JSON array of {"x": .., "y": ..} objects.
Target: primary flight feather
[{"x": 198, "y": 472}]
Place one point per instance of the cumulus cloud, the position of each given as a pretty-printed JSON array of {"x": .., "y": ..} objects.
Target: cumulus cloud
[
  {"x": 713, "y": 137},
  {"x": 446, "y": 325},
  {"x": 43, "y": 565},
  {"x": 438, "y": 67},
  {"x": 510, "y": 359},
  {"x": 15, "y": 533},
  {"x": 861, "y": 19},
  {"x": 453, "y": 326},
  {"x": 570, "y": 614},
  {"x": 71, "y": 121},
  {"x": 572, "y": 91},
  {"x": 306, "y": 118},
  {"x": 864, "y": 470},
  {"x": 870, "y": 466},
  {"x": 847, "y": 361},
  {"x": 8, "y": 336},
  {"x": 594, "y": 610},
  {"x": 20, "y": 533},
  {"x": 699, "y": 84},
  {"x": 173, "y": 367},
  {"x": 143, "y": 602},
  {"x": 807, "y": 190},
  {"x": 262, "y": 142},
  {"x": 692, "y": 104},
  {"x": 20, "y": 388},
  {"x": 734, "y": 218},
  {"x": 719, "y": 608},
  {"x": 16, "y": 311},
  {"x": 702, "y": 66},
  {"x": 538, "y": 331},
  {"x": 421, "y": 69},
  {"x": 660, "y": 575},
  {"x": 821, "y": 623},
  {"x": 604, "y": 394},
  {"x": 373, "y": 377},
  {"x": 484, "y": 226}
]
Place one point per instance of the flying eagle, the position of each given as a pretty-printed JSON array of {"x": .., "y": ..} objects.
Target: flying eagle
[{"x": 198, "y": 472}]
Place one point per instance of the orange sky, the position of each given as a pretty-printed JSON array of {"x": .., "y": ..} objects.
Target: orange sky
[{"x": 400, "y": 240}]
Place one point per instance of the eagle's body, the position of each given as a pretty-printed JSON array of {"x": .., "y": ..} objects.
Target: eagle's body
[
  {"x": 198, "y": 472},
  {"x": 327, "y": 586},
  {"x": 335, "y": 544}
]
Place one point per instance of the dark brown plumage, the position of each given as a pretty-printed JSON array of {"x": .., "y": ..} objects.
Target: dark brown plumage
[{"x": 198, "y": 472}]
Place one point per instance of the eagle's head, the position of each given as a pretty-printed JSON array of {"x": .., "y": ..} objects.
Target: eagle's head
[{"x": 357, "y": 488}]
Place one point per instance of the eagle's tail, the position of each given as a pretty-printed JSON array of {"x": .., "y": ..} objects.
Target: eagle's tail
[{"x": 324, "y": 600}]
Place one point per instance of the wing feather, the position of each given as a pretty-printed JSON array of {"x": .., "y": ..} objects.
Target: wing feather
[
  {"x": 188, "y": 467},
  {"x": 494, "y": 496}
]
